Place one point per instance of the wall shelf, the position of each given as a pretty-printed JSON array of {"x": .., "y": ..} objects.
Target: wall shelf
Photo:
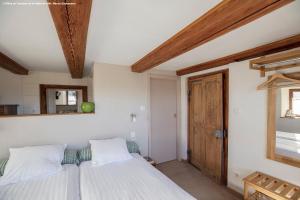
[{"x": 275, "y": 62}]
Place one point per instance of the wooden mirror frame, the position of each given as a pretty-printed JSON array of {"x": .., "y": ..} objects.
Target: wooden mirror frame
[
  {"x": 43, "y": 93},
  {"x": 271, "y": 135}
]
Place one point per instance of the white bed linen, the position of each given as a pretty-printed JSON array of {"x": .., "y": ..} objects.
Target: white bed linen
[
  {"x": 134, "y": 179},
  {"x": 62, "y": 186}
]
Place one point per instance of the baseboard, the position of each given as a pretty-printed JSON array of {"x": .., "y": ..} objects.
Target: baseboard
[{"x": 235, "y": 193}]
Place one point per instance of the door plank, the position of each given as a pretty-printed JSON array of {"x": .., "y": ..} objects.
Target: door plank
[{"x": 213, "y": 121}]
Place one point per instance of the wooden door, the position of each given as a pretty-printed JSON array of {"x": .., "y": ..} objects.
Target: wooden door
[{"x": 206, "y": 125}]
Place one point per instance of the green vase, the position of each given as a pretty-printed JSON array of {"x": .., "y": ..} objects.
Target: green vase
[{"x": 87, "y": 107}]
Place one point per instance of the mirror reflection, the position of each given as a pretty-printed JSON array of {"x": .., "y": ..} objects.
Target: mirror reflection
[
  {"x": 42, "y": 93},
  {"x": 288, "y": 122},
  {"x": 63, "y": 101}
]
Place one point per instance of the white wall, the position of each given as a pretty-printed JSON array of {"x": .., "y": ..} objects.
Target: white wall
[
  {"x": 10, "y": 88},
  {"x": 24, "y": 90},
  {"x": 247, "y": 127},
  {"x": 117, "y": 93}
]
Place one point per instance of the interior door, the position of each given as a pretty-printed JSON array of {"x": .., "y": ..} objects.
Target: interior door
[
  {"x": 206, "y": 130},
  {"x": 163, "y": 102}
]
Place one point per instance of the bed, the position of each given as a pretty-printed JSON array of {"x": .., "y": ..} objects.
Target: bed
[
  {"x": 133, "y": 179},
  {"x": 62, "y": 186},
  {"x": 288, "y": 144}
]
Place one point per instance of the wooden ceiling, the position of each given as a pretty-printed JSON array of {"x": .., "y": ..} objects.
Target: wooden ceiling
[
  {"x": 274, "y": 47},
  {"x": 71, "y": 22},
  {"x": 216, "y": 22},
  {"x": 12, "y": 66}
]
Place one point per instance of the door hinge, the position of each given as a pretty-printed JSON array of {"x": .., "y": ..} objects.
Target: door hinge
[{"x": 189, "y": 152}]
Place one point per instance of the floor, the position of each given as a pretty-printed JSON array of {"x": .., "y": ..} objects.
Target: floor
[{"x": 194, "y": 182}]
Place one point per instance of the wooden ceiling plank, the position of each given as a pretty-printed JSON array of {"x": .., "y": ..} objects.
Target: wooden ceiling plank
[
  {"x": 214, "y": 23},
  {"x": 71, "y": 22},
  {"x": 271, "y": 48},
  {"x": 12, "y": 66}
]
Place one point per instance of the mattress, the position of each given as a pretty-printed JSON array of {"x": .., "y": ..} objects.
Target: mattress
[
  {"x": 134, "y": 179},
  {"x": 288, "y": 144},
  {"x": 61, "y": 186}
]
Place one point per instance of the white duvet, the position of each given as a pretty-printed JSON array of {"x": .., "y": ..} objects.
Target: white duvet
[
  {"x": 61, "y": 186},
  {"x": 134, "y": 179}
]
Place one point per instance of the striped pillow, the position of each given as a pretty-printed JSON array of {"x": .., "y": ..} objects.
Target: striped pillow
[
  {"x": 70, "y": 157},
  {"x": 2, "y": 165},
  {"x": 85, "y": 154},
  {"x": 133, "y": 147}
]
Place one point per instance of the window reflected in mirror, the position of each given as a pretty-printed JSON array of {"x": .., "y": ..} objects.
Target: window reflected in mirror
[
  {"x": 294, "y": 102},
  {"x": 63, "y": 101},
  {"x": 288, "y": 122}
]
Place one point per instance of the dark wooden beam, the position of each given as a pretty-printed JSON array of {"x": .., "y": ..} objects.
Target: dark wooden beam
[
  {"x": 71, "y": 22},
  {"x": 223, "y": 18},
  {"x": 274, "y": 47},
  {"x": 12, "y": 66}
]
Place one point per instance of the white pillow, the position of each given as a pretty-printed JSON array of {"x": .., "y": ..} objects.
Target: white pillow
[
  {"x": 32, "y": 162},
  {"x": 109, "y": 150}
]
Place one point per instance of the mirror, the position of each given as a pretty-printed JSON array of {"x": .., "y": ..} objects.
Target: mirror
[
  {"x": 62, "y": 99},
  {"x": 42, "y": 93},
  {"x": 288, "y": 122},
  {"x": 284, "y": 125}
]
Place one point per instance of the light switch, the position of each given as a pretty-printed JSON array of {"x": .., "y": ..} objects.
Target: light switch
[{"x": 132, "y": 135}]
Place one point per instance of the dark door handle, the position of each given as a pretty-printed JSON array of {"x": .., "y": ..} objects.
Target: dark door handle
[{"x": 219, "y": 134}]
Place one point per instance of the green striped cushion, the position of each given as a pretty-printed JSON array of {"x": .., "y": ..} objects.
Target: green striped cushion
[
  {"x": 132, "y": 147},
  {"x": 2, "y": 165},
  {"x": 85, "y": 154},
  {"x": 70, "y": 157}
]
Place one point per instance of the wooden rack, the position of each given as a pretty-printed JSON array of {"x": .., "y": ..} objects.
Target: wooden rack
[
  {"x": 267, "y": 188},
  {"x": 276, "y": 62},
  {"x": 277, "y": 81}
]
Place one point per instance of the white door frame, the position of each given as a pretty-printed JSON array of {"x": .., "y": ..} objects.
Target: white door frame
[{"x": 164, "y": 76}]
